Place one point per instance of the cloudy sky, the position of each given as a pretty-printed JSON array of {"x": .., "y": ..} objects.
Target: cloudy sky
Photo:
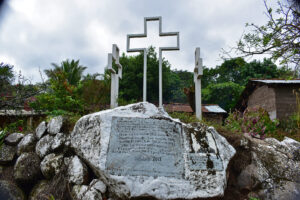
[{"x": 35, "y": 33}]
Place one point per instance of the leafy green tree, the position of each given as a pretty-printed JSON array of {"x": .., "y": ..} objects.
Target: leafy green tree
[
  {"x": 73, "y": 71},
  {"x": 279, "y": 37},
  {"x": 131, "y": 85},
  {"x": 224, "y": 94}
]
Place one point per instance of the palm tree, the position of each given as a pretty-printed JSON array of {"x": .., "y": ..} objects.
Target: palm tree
[{"x": 72, "y": 69}]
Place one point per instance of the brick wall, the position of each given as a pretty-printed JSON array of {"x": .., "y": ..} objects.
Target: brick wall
[
  {"x": 285, "y": 101},
  {"x": 264, "y": 97}
]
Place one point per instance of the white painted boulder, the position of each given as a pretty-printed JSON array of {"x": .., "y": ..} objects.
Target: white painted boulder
[{"x": 140, "y": 151}]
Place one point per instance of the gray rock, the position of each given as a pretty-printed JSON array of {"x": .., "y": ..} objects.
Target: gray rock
[
  {"x": 39, "y": 190},
  {"x": 98, "y": 185},
  {"x": 41, "y": 130},
  {"x": 27, "y": 168},
  {"x": 43, "y": 147},
  {"x": 14, "y": 138},
  {"x": 159, "y": 157},
  {"x": 78, "y": 191},
  {"x": 84, "y": 192},
  {"x": 27, "y": 144},
  {"x": 7, "y": 154},
  {"x": 77, "y": 171},
  {"x": 58, "y": 141},
  {"x": 51, "y": 165},
  {"x": 55, "y": 125},
  {"x": 274, "y": 168},
  {"x": 10, "y": 191}
]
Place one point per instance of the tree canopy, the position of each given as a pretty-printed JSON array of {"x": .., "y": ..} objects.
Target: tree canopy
[{"x": 279, "y": 37}]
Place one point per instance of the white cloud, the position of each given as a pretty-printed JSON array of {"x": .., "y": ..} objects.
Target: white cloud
[{"x": 36, "y": 33}]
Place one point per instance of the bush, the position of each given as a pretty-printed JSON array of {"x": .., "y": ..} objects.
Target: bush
[
  {"x": 254, "y": 121},
  {"x": 184, "y": 117}
]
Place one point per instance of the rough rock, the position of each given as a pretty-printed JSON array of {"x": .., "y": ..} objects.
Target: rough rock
[
  {"x": 55, "y": 125},
  {"x": 58, "y": 141},
  {"x": 41, "y": 130},
  {"x": 98, "y": 185},
  {"x": 274, "y": 172},
  {"x": 27, "y": 168},
  {"x": 43, "y": 147},
  {"x": 86, "y": 193},
  {"x": 51, "y": 165},
  {"x": 39, "y": 190},
  {"x": 198, "y": 159},
  {"x": 78, "y": 191},
  {"x": 10, "y": 191},
  {"x": 77, "y": 171},
  {"x": 27, "y": 144},
  {"x": 14, "y": 138},
  {"x": 7, "y": 154}
]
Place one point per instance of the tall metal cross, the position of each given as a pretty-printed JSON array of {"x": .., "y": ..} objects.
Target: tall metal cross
[
  {"x": 114, "y": 88},
  {"x": 142, "y": 35},
  {"x": 198, "y": 72}
]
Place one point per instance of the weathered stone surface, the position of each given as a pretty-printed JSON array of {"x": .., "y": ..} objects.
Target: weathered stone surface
[
  {"x": 7, "y": 153},
  {"x": 77, "y": 171},
  {"x": 98, "y": 185},
  {"x": 78, "y": 191},
  {"x": 41, "y": 130},
  {"x": 43, "y": 147},
  {"x": 9, "y": 191},
  {"x": 139, "y": 151},
  {"x": 27, "y": 144},
  {"x": 86, "y": 193},
  {"x": 51, "y": 165},
  {"x": 39, "y": 190},
  {"x": 275, "y": 168},
  {"x": 58, "y": 141},
  {"x": 27, "y": 168},
  {"x": 14, "y": 138},
  {"x": 55, "y": 125}
]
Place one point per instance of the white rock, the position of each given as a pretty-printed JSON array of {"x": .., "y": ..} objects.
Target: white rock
[
  {"x": 51, "y": 165},
  {"x": 41, "y": 130},
  {"x": 77, "y": 171},
  {"x": 91, "y": 138},
  {"x": 27, "y": 144},
  {"x": 98, "y": 185},
  {"x": 78, "y": 191},
  {"x": 58, "y": 141},
  {"x": 55, "y": 125},
  {"x": 43, "y": 147},
  {"x": 14, "y": 138}
]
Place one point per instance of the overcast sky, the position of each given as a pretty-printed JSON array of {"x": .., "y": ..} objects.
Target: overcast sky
[{"x": 35, "y": 33}]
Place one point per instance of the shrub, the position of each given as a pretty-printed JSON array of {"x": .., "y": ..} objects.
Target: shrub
[
  {"x": 184, "y": 117},
  {"x": 254, "y": 121}
]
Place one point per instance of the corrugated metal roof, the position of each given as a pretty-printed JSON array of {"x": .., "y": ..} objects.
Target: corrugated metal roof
[
  {"x": 279, "y": 81},
  {"x": 187, "y": 108},
  {"x": 18, "y": 113},
  {"x": 215, "y": 109}
]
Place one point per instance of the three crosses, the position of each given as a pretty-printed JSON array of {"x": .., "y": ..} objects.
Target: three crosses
[{"x": 116, "y": 75}]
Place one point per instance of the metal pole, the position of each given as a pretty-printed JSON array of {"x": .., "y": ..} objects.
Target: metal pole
[{"x": 160, "y": 78}]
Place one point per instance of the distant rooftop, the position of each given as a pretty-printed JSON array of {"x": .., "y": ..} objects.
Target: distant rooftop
[
  {"x": 206, "y": 108},
  {"x": 271, "y": 81}
]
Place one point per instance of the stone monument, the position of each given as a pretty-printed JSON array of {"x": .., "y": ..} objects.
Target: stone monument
[
  {"x": 138, "y": 150},
  {"x": 198, "y": 72},
  {"x": 161, "y": 49},
  {"x": 115, "y": 75}
]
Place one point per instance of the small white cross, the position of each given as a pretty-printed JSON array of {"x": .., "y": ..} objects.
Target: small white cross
[
  {"x": 129, "y": 36},
  {"x": 198, "y": 72},
  {"x": 114, "y": 89}
]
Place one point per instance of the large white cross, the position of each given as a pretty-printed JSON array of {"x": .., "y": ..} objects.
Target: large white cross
[
  {"x": 114, "y": 89},
  {"x": 198, "y": 72},
  {"x": 129, "y": 36}
]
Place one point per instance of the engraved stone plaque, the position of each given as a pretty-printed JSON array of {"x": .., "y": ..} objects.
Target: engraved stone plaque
[
  {"x": 202, "y": 161},
  {"x": 145, "y": 147}
]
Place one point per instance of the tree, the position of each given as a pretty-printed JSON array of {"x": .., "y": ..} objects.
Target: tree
[
  {"x": 224, "y": 94},
  {"x": 131, "y": 85},
  {"x": 279, "y": 37},
  {"x": 73, "y": 71}
]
